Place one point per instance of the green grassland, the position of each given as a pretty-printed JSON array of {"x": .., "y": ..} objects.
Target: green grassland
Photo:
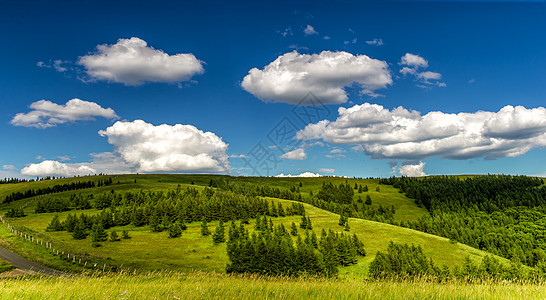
[
  {"x": 201, "y": 285},
  {"x": 5, "y": 267},
  {"x": 147, "y": 250}
]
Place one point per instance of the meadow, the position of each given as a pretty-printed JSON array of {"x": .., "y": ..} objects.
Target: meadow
[{"x": 206, "y": 285}]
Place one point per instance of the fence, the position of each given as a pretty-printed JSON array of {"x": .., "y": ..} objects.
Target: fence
[{"x": 54, "y": 250}]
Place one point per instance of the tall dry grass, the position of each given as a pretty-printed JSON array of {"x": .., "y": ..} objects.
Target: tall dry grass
[{"x": 202, "y": 285}]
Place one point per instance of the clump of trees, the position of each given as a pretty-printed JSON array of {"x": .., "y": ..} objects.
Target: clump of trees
[{"x": 272, "y": 251}]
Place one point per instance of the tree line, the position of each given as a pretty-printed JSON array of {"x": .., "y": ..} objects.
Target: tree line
[{"x": 55, "y": 189}]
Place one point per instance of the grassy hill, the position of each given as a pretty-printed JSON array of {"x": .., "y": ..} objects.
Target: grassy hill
[{"x": 148, "y": 250}]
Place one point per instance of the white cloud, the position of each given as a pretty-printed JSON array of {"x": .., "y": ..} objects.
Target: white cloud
[
  {"x": 9, "y": 167},
  {"x": 375, "y": 42},
  {"x": 132, "y": 62},
  {"x": 57, "y": 65},
  {"x": 309, "y": 30},
  {"x": 46, "y": 114},
  {"x": 325, "y": 170},
  {"x": 55, "y": 168},
  {"x": 412, "y": 170},
  {"x": 337, "y": 151},
  {"x": 166, "y": 148},
  {"x": 412, "y": 63},
  {"x": 298, "y": 154},
  {"x": 106, "y": 163},
  {"x": 305, "y": 174},
  {"x": 293, "y": 75},
  {"x": 327, "y": 37},
  {"x": 407, "y": 135}
]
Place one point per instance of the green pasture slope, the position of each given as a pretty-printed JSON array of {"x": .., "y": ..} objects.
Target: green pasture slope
[{"x": 148, "y": 250}]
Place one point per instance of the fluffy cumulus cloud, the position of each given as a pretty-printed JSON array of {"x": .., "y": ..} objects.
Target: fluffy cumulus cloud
[
  {"x": 46, "y": 114},
  {"x": 133, "y": 62},
  {"x": 414, "y": 65},
  {"x": 166, "y": 148},
  {"x": 106, "y": 163},
  {"x": 298, "y": 154},
  {"x": 291, "y": 76},
  {"x": 305, "y": 174},
  {"x": 412, "y": 170},
  {"x": 51, "y": 167},
  {"x": 408, "y": 135}
]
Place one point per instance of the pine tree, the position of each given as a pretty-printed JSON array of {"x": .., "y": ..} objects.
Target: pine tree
[
  {"x": 293, "y": 229},
  {"x": 303, "y": 223},
  {"x": 175, "y": 231},
  {"x": 78, "y": 232},
  {"x": 55, "y": 224},
  {"x": 114, "y": 237},
  {"x": 341, "y": 220},
  {"x": 368, "y": 200},
  {"x": 309, "y": 225},
  {"x": 219, "y": 234},
  {"x": 155, "y": 222},
  {"x": 98, "y": 234},
  {"x": 347, "y": 228},
  {"x": 204, "y": 227}
]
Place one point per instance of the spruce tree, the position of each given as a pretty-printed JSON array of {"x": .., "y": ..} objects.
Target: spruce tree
[
  {"x": 98, "y": 234},
  {"x": 219, "y": 234},
  {"x": 155, "y": 222},
  {"x": 55, "y": 224},
  {"x": 341, "y": 220},
  {"x": 303, "y": 223},
  {"x": 204, "y": 227},
  {"x": 309, "y": 225},
  {"x": 347, "y": 228},
  {"x": 293, "y": 229},
  {"x": 175, "y": 231},
  {"x": 368, "y": 200},
  {"x": 78, "y": 232},
  {"x": 114, "y": 237}
]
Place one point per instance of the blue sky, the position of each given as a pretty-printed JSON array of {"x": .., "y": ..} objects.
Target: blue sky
[{"x": 409, "y": 88}]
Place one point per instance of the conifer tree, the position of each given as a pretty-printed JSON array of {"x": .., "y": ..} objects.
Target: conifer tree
[
  {"x": 219, "y": 234},
  {"x": 175, "y": 230},
  {"x": 78, "y": 232},
  {"x": 114, "y": 237},
  {"x": 204, "y": 227},
  {"x": 98, "y": 234},
  {"x": 125, "y": 235},
  {"x": 347, "y": 228},
  {"x": 303, "y": 223},
  {"x": 309, "y": 225},
  {"x": 155, "y": 222},
  {"x": 55, "y": 224},
  {"x": 368, "y": 200},
  {"x": 293, "y": 229}
]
